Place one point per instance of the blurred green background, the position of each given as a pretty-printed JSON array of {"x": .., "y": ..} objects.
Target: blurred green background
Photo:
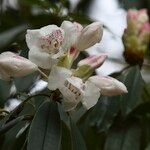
[{"x": 116, "y": 123}]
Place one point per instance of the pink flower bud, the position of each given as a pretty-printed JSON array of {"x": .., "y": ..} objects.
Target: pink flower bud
[
  {"x": 108, "y": 86},
  {"x": 136, "y": 36},
  {"x": 12, "y": 65},
  {"x": 132, "y": 14},
  {"x": 143, "y": 16},
  {"x": 145, "y": 27},
  {"x": 90, "y": 35},
  {"x": 94, "y": 61},
  {"x": 136, "y": 19}
]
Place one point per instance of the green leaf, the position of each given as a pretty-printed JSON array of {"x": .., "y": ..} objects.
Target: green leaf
[
  {"x": 45, "y": 130},
  {"x": 66, "y": 137},
  {"x": 145, "y": 126},
  {"x": 10, "y": 138},
  {"x": 4, "y": 91},
  {"x": 148, "y": 147},
  {"x": 124, "y": 137},
  {"x": 94, "y": 140},
  {"x": 5, "y": 127},
  {"x": 23, "y": 84},
  {"x": 134, "y": 84},
  {"x": 70, "y": 133},
  {"x": 21, "y": 139},
  {"x": 104, "y": 113},
  {"x": 77, "y": 139}
]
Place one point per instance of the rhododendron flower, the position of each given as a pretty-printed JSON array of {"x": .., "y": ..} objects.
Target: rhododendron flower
[
  {"x": 72, "y": 88},
  {"x": 50, "y": 43},
  {"x": 87, "y": 92},
  {"x": 55, "y": 49},
  {"x": 44, "y": 45},
  {"x": 12, "y": 65}
]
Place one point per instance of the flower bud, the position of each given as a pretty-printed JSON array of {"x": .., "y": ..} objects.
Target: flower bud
[
  {"x": 136, "y": 36},
  {"x": 145, "y": 33},
  {"x": 108, "y": 86},
  {"x": 12, "y": 65},
  {"x": 93, "y": 61},
  {"x": 90, "y": 35}
]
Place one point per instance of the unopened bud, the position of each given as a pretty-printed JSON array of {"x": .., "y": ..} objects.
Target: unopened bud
[
  {"x": 12, "y": 65},
  {"x": 136, "y": 36},
  {"x": 108, "y": 86},
  {"x": 90, "y": 35},
  {"x": 94, "y": 61}
]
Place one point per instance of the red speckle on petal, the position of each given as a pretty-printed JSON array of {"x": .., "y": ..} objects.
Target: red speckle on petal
[{"x": 72, "y": 50}]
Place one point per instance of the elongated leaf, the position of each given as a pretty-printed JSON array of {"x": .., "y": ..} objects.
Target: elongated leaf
[
  {"x": 5, "y": 127},
  {"x": 66, "y": 137},
  {"x": 125, "y": 137},
  {"x": 104, "y": 113},
  {"x": 4, "y": 91},
  {"x": 45, "y": 130},
  {"x": 77, "y": 139},
  {"x": 145, "y": 125},
  {"x": 23, "y": 84},
  {"x": 10, "y": 138},
  {"x": 134, "y": 84},
  {"x": 148, "y": 147}
]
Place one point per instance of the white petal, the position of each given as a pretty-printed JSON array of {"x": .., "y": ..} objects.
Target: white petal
[
  {"x": 57, "y": 77},
  {"x": 72, "y": 32},
  {"x": 42, "y": 59},
  {"x": 43, "y": 44},
  {"x": 91, "y": 95},
  {"x": 42, "y": 39},
  {"x": 33, "y": 39},
  {"x": 72, "y": 93}
]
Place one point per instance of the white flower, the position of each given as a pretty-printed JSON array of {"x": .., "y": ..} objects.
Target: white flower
[
  {"x": 12, "y": 65},
  {"x": 44, "y": 45},
  {"x": 73, "y": 89},
  {"x": 109, "y": 86}
]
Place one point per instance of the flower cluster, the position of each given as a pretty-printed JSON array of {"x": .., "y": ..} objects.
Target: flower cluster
[
  {"x": 136, "y": 36},
  {"x": 53, "y": 49}
]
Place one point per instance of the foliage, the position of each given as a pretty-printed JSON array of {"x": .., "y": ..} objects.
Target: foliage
[{"x": 39, "y": 122}]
